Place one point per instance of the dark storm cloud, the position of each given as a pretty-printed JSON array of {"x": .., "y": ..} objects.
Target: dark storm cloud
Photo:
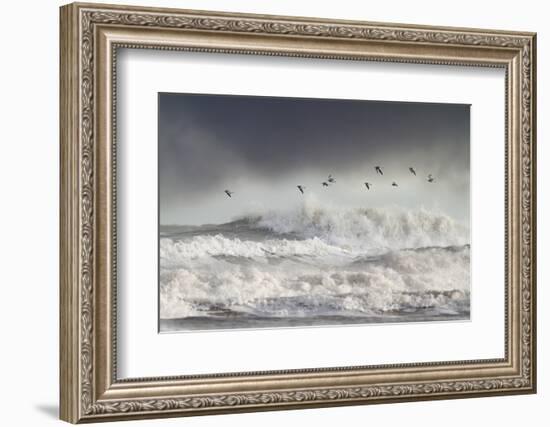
[{"x": 206, "y": 141}]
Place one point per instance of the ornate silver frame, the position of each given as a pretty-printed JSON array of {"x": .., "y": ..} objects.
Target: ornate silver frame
[{"x": 90, "y": 36}]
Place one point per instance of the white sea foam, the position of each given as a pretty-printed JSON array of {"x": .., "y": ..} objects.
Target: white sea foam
[{"x": 396, "y": 281}]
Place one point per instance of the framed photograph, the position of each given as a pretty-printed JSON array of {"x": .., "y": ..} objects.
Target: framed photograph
[{"x": 265, "y": 213}]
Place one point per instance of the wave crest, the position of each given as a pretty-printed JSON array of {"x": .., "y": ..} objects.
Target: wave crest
[
  {"x": 171, "y": 252},
  {"x": 373, "y": 228}
]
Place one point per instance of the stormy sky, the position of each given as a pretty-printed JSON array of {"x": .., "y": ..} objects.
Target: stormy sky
[{"x": 262, "y": 147}]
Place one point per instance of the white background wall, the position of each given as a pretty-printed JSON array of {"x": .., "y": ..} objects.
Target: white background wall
[{"x": 29, "y": 170}]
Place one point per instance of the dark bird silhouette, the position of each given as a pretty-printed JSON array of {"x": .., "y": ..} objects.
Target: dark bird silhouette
[
  {"x": 229, "y": 193},
  {"x": 412, "y": 171},
  {"x": 430, "y": 178},
  {"x": 378, "y": 169},
  {"x": 325, "y": 184},
  {"x": 301, "y": 188},
  {"x": 394, "y": 184},
  {"x": 368, "y": 184},
  {"x": 331, "y": 179}
]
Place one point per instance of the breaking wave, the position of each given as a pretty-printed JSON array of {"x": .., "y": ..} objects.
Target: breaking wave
[
  {"x": 218, "y": 246},
  {"x": 317, "y": 262},
  {"x": 374, "y": 228}
]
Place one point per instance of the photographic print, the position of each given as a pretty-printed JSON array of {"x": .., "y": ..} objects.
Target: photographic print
[{"x": 293, "y": 212}]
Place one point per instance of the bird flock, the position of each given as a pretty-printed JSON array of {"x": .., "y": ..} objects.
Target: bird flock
[{"x": 331, "y": 180}]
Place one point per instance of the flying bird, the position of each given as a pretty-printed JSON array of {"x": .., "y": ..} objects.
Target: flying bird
[
  {"x": 368, "y": 184},
  {"x": 325, "y": 184},
  {"x": 301, "y": 188},
  {"x": 394, "y": 184},
  {"x": 229, "y": 193},
  {"x": 412, "y": 171},
  {"x": 331, "y": 179},
  {"x": 430, "y": 178},
  {"x": 378, "y": 169}
]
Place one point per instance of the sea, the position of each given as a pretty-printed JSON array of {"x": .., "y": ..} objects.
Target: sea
[{"x": 314, "y": 266}]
